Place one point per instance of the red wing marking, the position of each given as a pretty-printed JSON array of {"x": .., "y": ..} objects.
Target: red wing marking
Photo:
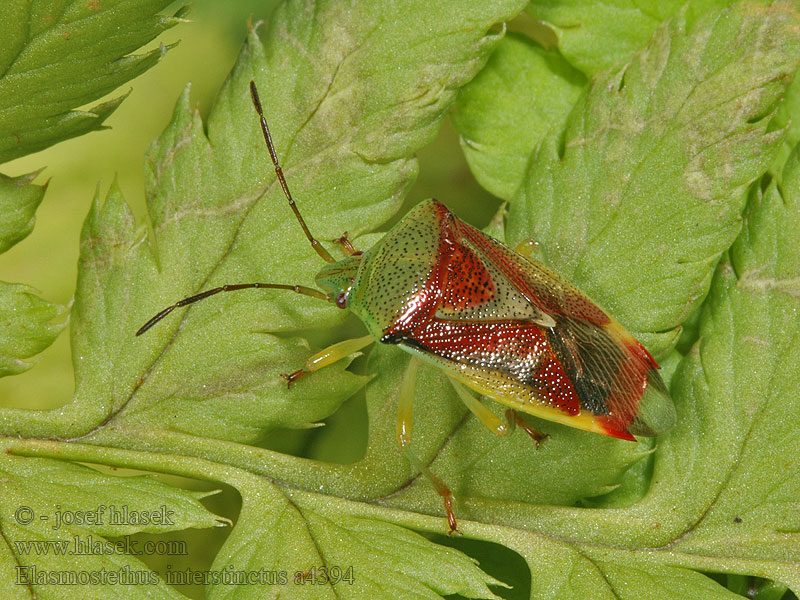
[
  {"x": 467, "y": 283},
  {"x": 635, "y": 348},
  {"x": 628, "y": 386},
  {"x": 524, "y": 275},
  {"x": 585, "y": 362},
  {"x": 517, "y": 349},
  {"x": 611, "y": 429}
]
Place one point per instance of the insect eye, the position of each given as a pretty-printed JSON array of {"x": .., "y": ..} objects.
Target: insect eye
[{"x": 341, "y": 300}]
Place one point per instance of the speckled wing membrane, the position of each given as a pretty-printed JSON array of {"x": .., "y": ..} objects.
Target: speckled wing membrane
[{"x": 511, "y": 329}]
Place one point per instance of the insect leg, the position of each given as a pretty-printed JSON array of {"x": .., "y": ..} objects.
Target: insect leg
[
  {"x": 329, "y": 355},
  {"x": 405, "y": 407},
  {"x": 515, "y": 419},
  {"x": 493, "y": 423},
  {"x": 347, "y": 245}
]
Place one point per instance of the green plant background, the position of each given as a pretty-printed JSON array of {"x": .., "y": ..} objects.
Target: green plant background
[
  {"x": 48, "y": 259},
  {"x": 208, "y": 46},
  {"x": 717, "y": 495}
]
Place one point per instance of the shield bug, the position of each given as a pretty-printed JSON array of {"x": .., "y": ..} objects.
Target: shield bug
[{"x": 491, "y": 318}]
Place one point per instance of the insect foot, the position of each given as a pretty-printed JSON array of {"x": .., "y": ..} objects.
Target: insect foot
[{"x": 292, "y": 377}]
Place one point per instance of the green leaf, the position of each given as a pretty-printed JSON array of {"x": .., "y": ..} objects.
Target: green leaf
[
  {"x": 504, "y": 112},
  {"x": 308, "y": 537},
  {"x": 56, "y": 517},
  {"x": 19, "y": 199},
  {"x": 597, "y": 36},
  {"x": 220, "y": 217},
  {"x": 27, "y": 321},
  {"x": 345, "y": 131},
  {"x": 725, "y": 483},
  {"x": 234, "y": 370},
  {"x": 787, "y": 116},
  {"x": 58, "y": 55},
  {"x": 351, "y": 93},
  {"x": 745, "y": 364},
  {"x": 28, "y": 325},
  {"x": 661, "y": 151}
]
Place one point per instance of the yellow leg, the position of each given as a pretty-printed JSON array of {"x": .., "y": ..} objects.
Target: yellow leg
[
  {"x": 347, "y": 245},
  {"x": 329, "y": 355},
  {"x": 405, "y": 403},
  {"x": 405, "y": 409},
  {"x": 492, "y": 421},
  {"x": 514, "y": 419}
]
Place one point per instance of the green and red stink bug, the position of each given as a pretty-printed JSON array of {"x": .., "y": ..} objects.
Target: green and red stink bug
[{"x": 492, "y": 319}]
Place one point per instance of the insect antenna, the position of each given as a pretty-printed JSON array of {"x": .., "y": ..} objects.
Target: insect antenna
[
  {"x": 318, "y": 248},
  {"x": 300, "y": 289}
]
